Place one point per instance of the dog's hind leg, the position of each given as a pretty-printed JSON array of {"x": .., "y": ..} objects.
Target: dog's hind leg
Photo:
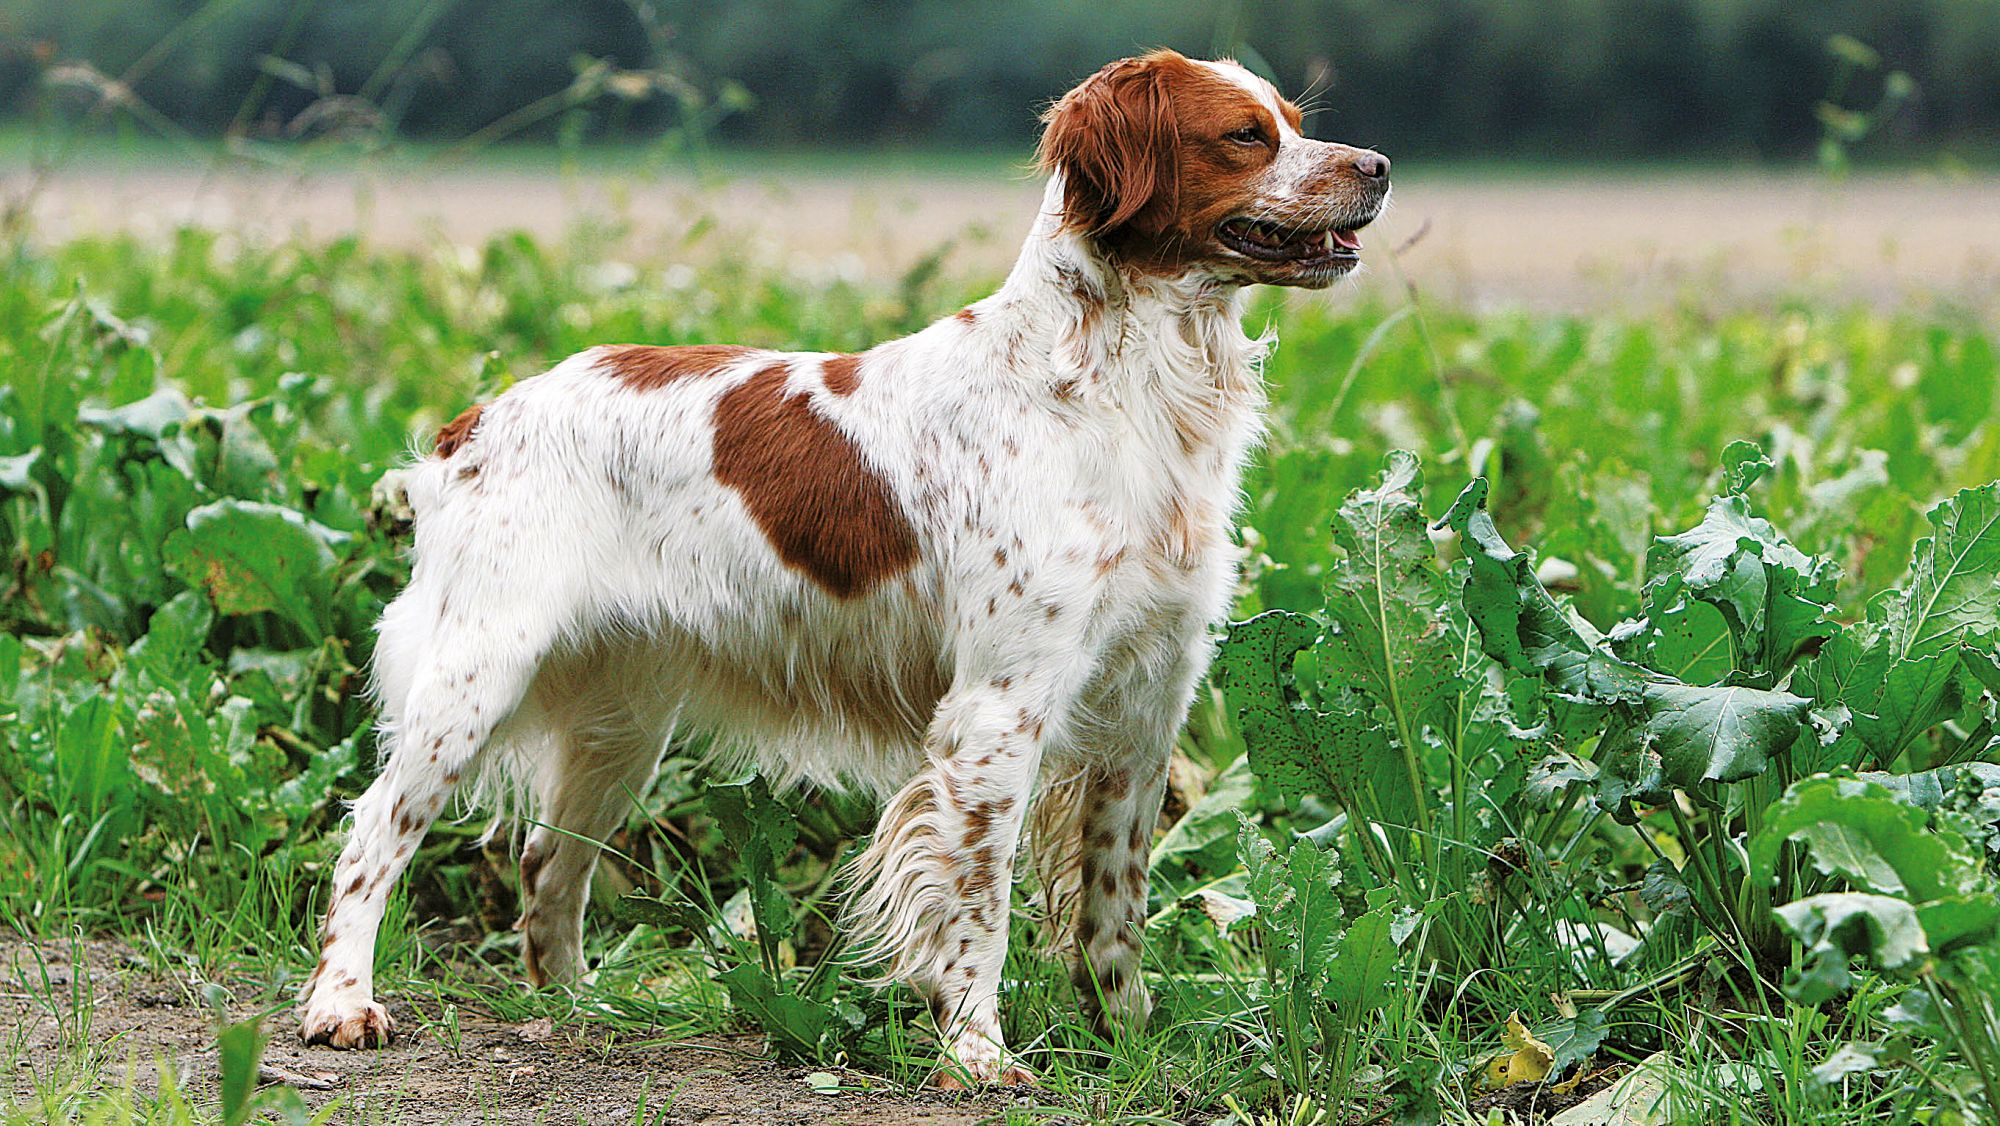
[
  {"x": 607, "y": 760},
  {"x": 452, "y": 674}
]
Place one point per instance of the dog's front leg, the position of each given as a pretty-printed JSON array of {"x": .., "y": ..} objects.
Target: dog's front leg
[{"x": 936, "y": 883}]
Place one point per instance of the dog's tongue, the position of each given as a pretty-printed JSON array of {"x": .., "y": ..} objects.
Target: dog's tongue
[{"x": 1347, "y": 240}]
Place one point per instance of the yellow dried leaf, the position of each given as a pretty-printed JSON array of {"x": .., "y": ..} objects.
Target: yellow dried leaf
[
  {"x": 1525, "y": 1060},
  {"x": 1575, "y": 1079}
]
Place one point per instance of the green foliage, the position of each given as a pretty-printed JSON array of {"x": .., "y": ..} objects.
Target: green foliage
[
  {"x": 190, "y": 433},
  {"x": 1925, "y": 908},
  {"x": 1326, "y": 976},
  {"x": 1656, "y": 723}
]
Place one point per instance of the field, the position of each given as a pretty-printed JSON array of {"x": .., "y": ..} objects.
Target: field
[{"x": 1654, "y": 768}]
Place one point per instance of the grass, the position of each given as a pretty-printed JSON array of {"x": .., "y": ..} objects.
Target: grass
[{"x": 176, "y": 749}]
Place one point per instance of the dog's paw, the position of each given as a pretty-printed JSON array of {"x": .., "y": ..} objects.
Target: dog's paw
[
  {"x": 361, "y": 1023},
  {"x": 976, "y": 1061}
]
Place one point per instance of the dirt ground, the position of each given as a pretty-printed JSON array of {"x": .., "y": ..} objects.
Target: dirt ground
[
  {"x": 1564, "y": 240},
  {"x": 499, "y": 1072}
]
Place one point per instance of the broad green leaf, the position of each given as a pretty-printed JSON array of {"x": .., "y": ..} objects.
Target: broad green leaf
[
  {"x": 1296, "y": 903},
  {"x": 239, "y": 1047},
  {"x": 1575, "y": 1039},
  {"x": 1300, "y": 750},
  {"x": 1663, "y": 890},
  {"x": 1958, "y": 920},
  {"x": 1520, "y": 625},
  {"x": 1842, "y": 925},
  {"x": 638, "y": 909},
  {"x": 1264, "y": 871},
  {"x": 1862, "y": 833},
  {"x": 1773, "y": 596},
  {"x": 1953, "y": 588},
  {"x": 176, "y": 633},
  {"x": 1310, "y": 914},
  {"x": 1718, "y": 734},
  {"x": 1549, "y": 778},
  {"x": 254, "y": 558},
  {"x": 1916, "y": 694},
  {"x": 155, "y": 416},
  {"x": 1384, "y": 601},
  {"x": 1743, "y": 465},
  {"x": 1846, "y": 1061},
  {"x": 1695, "y": 733},
  {"x": 1363, "y": 967},
  {"x": 1928, "y": 790},
  {"x": 794, "y": 1023}
]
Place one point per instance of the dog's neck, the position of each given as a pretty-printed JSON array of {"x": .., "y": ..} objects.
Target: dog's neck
[{"x": 1132, "y": 340}]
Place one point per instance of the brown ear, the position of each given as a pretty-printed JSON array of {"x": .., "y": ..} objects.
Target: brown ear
[{"x": 1115, "y": 142}]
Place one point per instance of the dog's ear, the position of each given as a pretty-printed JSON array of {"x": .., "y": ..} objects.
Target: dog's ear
[{"x": 1115, "y": 141}]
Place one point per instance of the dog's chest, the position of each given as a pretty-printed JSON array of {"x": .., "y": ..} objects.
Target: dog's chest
[{"x": 1157, "y": 527}]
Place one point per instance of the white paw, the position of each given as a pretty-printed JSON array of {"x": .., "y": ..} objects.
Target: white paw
[
  {"x": 350, "y": 1019},
  {"x": 976, "y": 1060}
]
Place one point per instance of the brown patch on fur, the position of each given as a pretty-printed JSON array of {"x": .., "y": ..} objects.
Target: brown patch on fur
[
  {"x": 354, "y": 885},
  {"x": 966, "y": 316},
  {"x": 842, "y": 374},
  {"x": 531, "y": 870},
  {"x": 823, "y": 507},
  {"x": 649, "y": 367},
  {"x": 456, "y": 433},
  {"x": 533, "y": 960}
]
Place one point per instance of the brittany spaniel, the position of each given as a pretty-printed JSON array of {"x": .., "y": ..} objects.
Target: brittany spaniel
[{"x": 972, "y": 570}]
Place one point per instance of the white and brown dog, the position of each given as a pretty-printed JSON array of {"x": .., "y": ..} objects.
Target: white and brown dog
[{"x": 973, "y": 570}]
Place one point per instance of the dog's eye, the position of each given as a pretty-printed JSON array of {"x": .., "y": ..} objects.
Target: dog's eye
[{"x": 1248, "y": 135}]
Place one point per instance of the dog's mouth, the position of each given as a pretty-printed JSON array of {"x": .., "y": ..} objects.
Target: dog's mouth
[{"x": 1269, "y": 241}]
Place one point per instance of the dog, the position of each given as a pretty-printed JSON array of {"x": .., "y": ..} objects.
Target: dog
[{"x": 973, "y": 570}]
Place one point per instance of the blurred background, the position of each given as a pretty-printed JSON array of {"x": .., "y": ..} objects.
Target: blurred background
[{"x": 1548, "y": 152}]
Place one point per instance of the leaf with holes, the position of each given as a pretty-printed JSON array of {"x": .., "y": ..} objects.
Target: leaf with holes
[
  {"x": 253, "y": 558},
  {"x": 1385, "y": 602},
  {"x": 1299, "y": 749}
]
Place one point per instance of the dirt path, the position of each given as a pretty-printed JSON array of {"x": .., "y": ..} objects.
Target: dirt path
[
  {"x": 1565, "y": 240},
  {"x": 497, "y": 1072}
]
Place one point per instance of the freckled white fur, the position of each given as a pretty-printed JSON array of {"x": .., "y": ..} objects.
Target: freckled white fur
[{"x": 584, "y": 589}]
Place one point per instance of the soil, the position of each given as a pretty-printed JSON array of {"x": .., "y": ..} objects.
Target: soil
[
  {"x": 1538, "y": 1102},
  {"x": 1567, "y": 239},
  {"x": 498, "y": 1072}
]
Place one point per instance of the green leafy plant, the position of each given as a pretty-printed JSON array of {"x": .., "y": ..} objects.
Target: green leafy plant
[
  {"x": 1325, "y": 977},
  {"x": 1918, "y": 901}
]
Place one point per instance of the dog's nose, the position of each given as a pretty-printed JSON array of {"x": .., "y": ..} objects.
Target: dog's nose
[{"x": 1373, "y": 165}]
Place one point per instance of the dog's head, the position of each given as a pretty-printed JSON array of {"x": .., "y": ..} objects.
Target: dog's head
[{"x": 1174, "y": 165}]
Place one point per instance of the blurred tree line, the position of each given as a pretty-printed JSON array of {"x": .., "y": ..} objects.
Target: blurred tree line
[{"x": 1519, "y": 78}]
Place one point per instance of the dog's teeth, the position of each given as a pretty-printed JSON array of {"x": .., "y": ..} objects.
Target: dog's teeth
[{"x": 1326, "y": 240}]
